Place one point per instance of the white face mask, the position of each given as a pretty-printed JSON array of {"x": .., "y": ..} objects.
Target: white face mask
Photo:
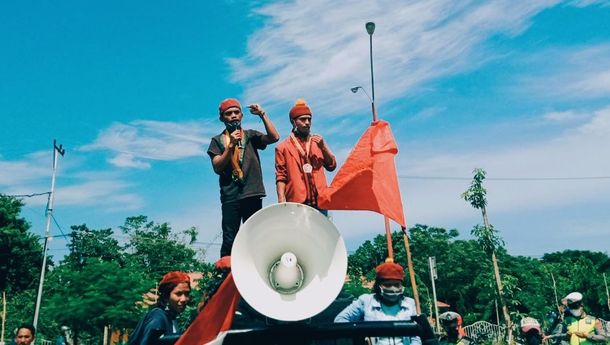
[
  {"x": 576, "y": 312},
  {"x": 392, "y": 294}
]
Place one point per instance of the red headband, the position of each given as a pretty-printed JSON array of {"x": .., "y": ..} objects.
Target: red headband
[
  {"x": 175, "y": 277},
  {"x": 228, "y": 103}
]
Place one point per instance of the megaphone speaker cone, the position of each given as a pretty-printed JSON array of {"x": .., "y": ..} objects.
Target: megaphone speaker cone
[{"x": 289, "y": 261}]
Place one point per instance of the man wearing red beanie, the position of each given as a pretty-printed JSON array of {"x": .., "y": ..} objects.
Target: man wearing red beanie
[
  {"x": 234, "y": 154},
  {"x": 386, "y": 303},
  {"x": 300, "y": 160}
]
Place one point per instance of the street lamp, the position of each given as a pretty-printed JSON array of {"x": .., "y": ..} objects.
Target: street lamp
[
  {"x": 370, "y": 29},
  {"x": 355, "y": 90}
]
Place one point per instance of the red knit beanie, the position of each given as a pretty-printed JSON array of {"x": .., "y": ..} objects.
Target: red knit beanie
[
  {"x": 300, "y": 108},
  {"x": 389, "y": 270},
  {"x": 176, "y": 278},
  {"x": 228, "y": 103}
]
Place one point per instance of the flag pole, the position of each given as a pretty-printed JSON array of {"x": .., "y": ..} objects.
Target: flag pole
[{"x": 411, "y": 270}]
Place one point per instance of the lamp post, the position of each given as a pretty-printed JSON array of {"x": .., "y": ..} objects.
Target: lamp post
[
  {"x": 370, "y": 29},
  {"x": 373, "y": 109}
]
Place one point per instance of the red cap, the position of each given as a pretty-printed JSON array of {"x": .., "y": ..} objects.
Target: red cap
[
  {"x": 300, "y": 108},
  {"x": 228, "y": 103},
  {"x": 175, "y": 277},
  {"x": 389, "y": 270},
  {"x": 223, "y": 263}
]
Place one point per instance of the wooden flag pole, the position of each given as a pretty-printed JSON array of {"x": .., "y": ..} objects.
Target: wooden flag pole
[
  {"x": 3, "y": 315},
  {"x": 388, "y": 238},
  {"x": 607, "y": 294},
  {"x": 411, "y": 270}
]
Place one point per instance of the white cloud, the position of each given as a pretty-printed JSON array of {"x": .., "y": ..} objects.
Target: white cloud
[
  {"x": 414, "y": 43},
  {"x": 74, "y": 187},
  {"x": 585, "y": 3},
  {"x": 16, "y": 173},
  {"x": 109, "y": 193},
  {"x": 575, "y": 72},
  {"x": 564, "y": 116},
  {"x": 137, "y": 143},
  {"x": 575, "y": 153}
]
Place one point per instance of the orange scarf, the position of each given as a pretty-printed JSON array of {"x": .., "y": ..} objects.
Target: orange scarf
[{"x": 237, "y": 157}]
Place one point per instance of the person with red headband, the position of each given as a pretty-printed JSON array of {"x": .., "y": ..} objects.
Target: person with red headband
[
  {"x": 174, "y": 294},
  {"x": 386, "y": 303},
  {"x": 234, "y": 154},
  {"x": 454, "y": 333},
  {"x": 300, "y": 160}
]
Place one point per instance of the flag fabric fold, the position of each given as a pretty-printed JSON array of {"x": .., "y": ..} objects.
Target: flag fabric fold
[
  {"x": 216, "y": 316},
  {"x": 368, "y": 180}
]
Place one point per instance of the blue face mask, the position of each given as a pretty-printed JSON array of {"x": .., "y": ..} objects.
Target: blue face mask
[{"x": 233, "y": 125}]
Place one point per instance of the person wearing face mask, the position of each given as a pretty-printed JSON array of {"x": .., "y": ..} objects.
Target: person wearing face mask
[
  {"x": 301, "y": 159},
  {"x": 531, "y": 333},
  {"x": 454, "y": 333},
  {"x": 579, "y": 328},
  {"x": 386, "y": 303},
  {"x": 174, "y": 294},
  {"x": 234, "y": 155}
]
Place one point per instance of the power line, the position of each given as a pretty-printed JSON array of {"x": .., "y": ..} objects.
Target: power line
[
  {"x": 577, "y": 178},
  {"x": 58, "y": 226},
  {"x": 27, "y": 195}
]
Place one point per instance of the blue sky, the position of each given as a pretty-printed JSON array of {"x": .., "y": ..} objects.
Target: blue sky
[{"x": 131, "y": 90}]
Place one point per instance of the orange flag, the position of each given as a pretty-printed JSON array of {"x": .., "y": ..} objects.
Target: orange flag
[
  {"x": 216, "y": 316},
  {"x": 367, "y": 180}
]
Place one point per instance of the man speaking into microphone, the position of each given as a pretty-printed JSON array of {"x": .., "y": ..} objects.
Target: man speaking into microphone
[{"x": 234, "y": 154}]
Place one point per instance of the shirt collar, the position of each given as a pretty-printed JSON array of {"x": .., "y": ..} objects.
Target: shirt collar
[{"x": 376, "y": 304}]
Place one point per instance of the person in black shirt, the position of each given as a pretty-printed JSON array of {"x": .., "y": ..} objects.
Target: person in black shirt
[{"x": 234, "y": 154}]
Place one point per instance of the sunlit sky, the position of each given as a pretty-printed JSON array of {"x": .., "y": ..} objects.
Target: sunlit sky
[{"x": 131, "y": 91}]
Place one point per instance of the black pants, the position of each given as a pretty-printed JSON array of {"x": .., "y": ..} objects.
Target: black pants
[{"x": 233, "y": 214}]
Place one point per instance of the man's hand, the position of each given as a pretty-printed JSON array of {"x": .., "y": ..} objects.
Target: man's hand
[
  {"x": 580, "y": 334},
  {"x": 235, "y": 138},
  {"x": 256, "y": 109},
  {"x": 316, "y": 138}
]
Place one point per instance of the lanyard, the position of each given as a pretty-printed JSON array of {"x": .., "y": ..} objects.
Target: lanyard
[
  {"x": 238, "y": 155},
  {"x": 304, "y": 153}
]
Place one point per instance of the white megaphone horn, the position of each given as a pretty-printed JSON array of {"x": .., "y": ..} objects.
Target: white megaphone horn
[{"x": 289, "y": 261}]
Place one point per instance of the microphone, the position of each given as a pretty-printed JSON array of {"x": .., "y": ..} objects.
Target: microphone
[
  {"x": 238, "y": 127},
  {"x": 232, "y": 126}
]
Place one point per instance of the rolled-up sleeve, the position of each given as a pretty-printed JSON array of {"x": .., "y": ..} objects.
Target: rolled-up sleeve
[{"x": 281, "y": 171}]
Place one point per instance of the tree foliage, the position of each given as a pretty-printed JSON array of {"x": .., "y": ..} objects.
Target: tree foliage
[
  {"x": 466, "y": 280},
  {"x": 20, "y": 250}
]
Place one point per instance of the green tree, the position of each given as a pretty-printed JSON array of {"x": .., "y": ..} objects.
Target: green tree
[
  {"x": 92, "y": 288},
  {"x": 156, "y": 250},
  {"x": 487, "y": 237},
  {"x": 20, "y": 262},
  {"x": 20, "y": 250},
  {"x": 95, "y": 294}
]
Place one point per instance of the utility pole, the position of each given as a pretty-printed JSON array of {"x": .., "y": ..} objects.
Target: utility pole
[
  {"x": 47, "y": 235},
  {"x": 433, "y": 277}
]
